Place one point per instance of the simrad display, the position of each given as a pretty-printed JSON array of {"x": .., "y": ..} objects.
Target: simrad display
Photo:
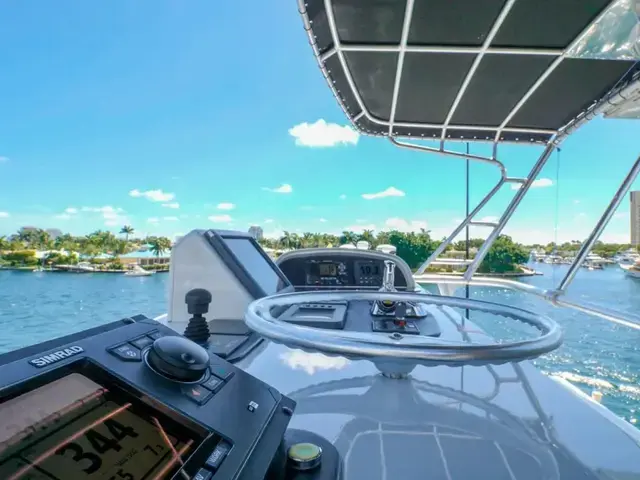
[{"x": 73, "y": 428}]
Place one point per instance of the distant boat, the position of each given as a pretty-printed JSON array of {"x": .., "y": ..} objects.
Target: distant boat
[
  {"x": 631, "y": 270},
  {"x": 138, "y": 271}
]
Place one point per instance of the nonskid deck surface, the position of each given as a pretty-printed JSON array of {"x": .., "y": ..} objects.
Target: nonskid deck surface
[{"x": 508, "y": 421}]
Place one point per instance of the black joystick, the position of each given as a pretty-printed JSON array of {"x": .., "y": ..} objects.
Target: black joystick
[
  {"x": 198, "y": 301},
  {"x": 178, "y": 359}
]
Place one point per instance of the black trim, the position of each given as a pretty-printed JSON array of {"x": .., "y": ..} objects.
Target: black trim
[{"x": 217, "y": 240}]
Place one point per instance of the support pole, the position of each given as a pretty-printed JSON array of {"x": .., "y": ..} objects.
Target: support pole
[
  {"x": 511, "y": 208},
  {"x": 600, "y": 226}
]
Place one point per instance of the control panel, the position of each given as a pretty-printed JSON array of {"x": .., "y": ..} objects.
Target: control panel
[
  {"x": 326, "y": 272},
  {"x": 133, "y": 400},
  {"x": 368, "y": 272},
  {"x": 334, "y": 268}
]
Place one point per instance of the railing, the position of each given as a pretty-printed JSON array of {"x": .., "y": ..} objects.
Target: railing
[{"x": 610, "y": 102}]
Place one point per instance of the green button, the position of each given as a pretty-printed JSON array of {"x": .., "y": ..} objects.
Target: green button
[{"x": 303, "y": 452}]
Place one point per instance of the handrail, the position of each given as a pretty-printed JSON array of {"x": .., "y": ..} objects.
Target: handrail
[{"x": 551, "y": 296}]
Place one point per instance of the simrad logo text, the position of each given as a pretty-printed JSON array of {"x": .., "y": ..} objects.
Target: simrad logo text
[{"x": 54, "y": 357}]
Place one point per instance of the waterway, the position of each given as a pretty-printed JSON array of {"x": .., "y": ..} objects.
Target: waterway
[{"x": 596, "y": 354}]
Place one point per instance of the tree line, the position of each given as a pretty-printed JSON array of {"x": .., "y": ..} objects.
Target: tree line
[
  {"x": 20, "y": 247},
  {"x": 413, "y": 247}
]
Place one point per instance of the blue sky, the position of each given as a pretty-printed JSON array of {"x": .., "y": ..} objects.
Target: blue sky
[{"x": 170, "y": 116}]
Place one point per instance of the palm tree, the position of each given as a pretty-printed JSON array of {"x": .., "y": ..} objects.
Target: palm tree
[
  {"x": 349, "y": 237},
  {"x": 159, "y": 245},
  {"x": 126, "y": 230},
  {"x": 367, "y": 235}
]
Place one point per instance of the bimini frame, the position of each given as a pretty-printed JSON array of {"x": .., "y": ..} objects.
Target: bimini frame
[{"x": 621, "y": 93}]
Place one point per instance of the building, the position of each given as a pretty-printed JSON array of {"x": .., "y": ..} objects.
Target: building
[
  {"x": 634, "y": 213},
  {"x": 256, "y": 232}
]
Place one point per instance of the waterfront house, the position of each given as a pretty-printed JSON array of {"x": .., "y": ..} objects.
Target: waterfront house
[{"x": 145, "y": 258}]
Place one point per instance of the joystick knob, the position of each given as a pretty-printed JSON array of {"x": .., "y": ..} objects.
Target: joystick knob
[
  {"x": 198, "y": 301},
  {"x": 178, "y": 359}
]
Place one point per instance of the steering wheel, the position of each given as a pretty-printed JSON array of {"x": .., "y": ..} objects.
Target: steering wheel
[{"x": 396, "y": 348}]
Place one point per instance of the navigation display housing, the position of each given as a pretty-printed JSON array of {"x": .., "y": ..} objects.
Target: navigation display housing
[{"x": 74, "y": 428}]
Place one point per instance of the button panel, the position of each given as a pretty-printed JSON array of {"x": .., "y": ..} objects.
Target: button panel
[
  {"x": 217, "y": 456},
  {"x": 156, "y": 335},
  {"x": 197, "y": 393},
  {"x": 203, "y": 475},
  {"x": 221, "y": 371},
  {"x": 214, "y": 384},
  {"x": 127, "y": 352},
  {"x": 142, "y": 342}
]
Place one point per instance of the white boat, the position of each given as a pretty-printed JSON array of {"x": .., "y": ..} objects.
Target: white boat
[
  {"x": 334, "y": 363},
  {"x": 629, "y": 257},
  {"x": 138, "y": 271},
  {"x": 631, "y": 270}
]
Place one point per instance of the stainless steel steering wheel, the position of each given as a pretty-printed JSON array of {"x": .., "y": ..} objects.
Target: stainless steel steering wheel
[{"x": 410, "y": 348}]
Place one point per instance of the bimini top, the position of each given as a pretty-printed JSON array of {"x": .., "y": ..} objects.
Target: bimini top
[{"x": 504, "y": 70}]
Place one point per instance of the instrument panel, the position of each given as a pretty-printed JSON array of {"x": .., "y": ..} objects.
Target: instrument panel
[{"x": 325, "y": 268}]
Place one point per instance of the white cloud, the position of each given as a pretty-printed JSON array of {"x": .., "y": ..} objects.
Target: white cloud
[
  {"x": 576, "y": 202},
  {"x": 343, "y": 196},
  {"x": 220, "y": 218},
  {"x": 269, "y": 220},
  {"x": 106, "y": 210},
  {"x": 62, "y": 216},
  {"x": 71, "y": 210},
  {"x": 153, "y": 195},
  {"x": 171, "y": 205},
  {"x": 153, "y": 220},
  {"x": 403, "y": 225},
  {"x": 323, "y": 134},
  {"x": 539, "y": 183},
  {"x": 171, "y": 219},
  {"x": 4, "y": 159},
  {"x": 4, "y": 214},
  {"x": 490, "y": 219},
  {"x": 323, "y": 220},
  {"x": 359, "y": 228},
  {"x": 389, "y": 192},
  {"x": 284, "y": 188},
  {"x": 111, "y": 223},
  {"x": 225, "y": 206}
]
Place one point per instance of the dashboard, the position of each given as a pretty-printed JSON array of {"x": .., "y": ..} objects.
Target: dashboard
[{"x": 311, "y": 269}]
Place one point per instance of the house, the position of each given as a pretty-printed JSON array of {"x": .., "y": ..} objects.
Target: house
[{"x": 145, "y": 257}]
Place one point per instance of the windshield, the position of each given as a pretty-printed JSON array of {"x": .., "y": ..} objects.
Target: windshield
[{"x": 127, "y": 125}]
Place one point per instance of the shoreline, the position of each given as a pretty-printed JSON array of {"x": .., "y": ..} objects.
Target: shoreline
[{"x": 62, "y": 270}]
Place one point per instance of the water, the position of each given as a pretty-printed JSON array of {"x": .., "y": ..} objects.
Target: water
[{"x": 596, "y": 354}]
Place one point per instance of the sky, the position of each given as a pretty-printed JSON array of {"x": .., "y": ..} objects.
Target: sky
[{"x": 169, "y": 116}]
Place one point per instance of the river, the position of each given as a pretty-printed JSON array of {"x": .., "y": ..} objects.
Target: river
[{"x": 596, "y": 354}]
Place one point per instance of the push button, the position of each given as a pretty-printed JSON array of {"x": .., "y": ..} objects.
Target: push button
[
  {"x": 141, "y": 342},
  {"x": 217, "y": 456},
  {"x": 214, "y": 384},
  {"x": 202, "y": 475},
  {"x": 127, "y": 353},
  {"x": 156, "y": 335},
  {"x": 222, "y": 371},
  {"x": 197, "y": 393}
]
